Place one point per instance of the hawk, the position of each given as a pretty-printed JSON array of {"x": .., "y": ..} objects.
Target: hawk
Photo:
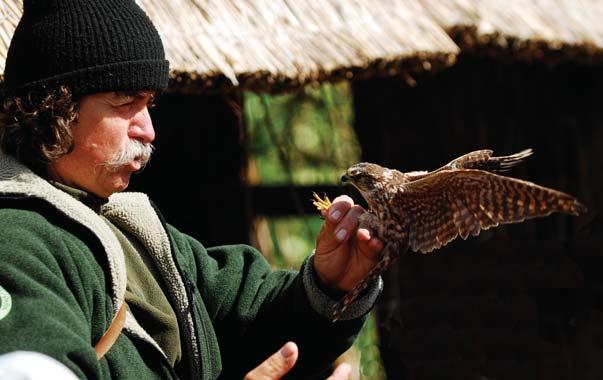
[{"x": 423, "y": 211}]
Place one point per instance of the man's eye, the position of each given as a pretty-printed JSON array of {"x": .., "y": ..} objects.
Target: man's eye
[{"x": 126, "y": 105}]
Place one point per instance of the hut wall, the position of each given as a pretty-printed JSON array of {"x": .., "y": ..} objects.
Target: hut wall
[
  {"x": 195, "y": 174},
  {"x": 521, "y": 301}
]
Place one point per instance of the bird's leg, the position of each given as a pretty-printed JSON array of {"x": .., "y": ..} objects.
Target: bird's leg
[{"x": 391, "y": 251}]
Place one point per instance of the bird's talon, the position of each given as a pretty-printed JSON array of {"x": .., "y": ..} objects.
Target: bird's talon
[{"x": 319, "y": 203}]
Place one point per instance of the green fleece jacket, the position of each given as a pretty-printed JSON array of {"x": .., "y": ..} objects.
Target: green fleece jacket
[{"x": 63, "y": 277}]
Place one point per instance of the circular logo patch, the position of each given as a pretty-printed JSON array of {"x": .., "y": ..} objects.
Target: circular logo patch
[{"x": 5, "y": 303}]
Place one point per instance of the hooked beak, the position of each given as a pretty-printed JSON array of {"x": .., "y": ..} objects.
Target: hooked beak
[{"x": 345, "y": 178}]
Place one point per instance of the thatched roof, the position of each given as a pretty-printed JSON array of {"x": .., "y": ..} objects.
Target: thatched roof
[
  {"x": 273, "y": 44},
  {"x": 547, "y": 30},
  {"x": 282, "y": 43}
]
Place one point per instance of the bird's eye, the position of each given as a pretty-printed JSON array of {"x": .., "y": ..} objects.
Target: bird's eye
[{"x": 354, "y": 173}]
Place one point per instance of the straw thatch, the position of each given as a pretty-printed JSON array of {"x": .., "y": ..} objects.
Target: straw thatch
[
  {"x": 546, "y": 30},
  {"x": 268, "y": 43},
  {"x": 10, "y": 13},
  {"x": 274, "y": 44},
  {"x": 263, "y": 44}
]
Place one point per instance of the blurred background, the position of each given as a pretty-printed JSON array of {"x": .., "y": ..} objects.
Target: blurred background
[{"x": 270, "y": 100}]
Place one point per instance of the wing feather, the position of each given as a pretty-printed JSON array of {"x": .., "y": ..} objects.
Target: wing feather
[
  {"x": 452, "y": 203},
  {"x": 479, "y": 160}
]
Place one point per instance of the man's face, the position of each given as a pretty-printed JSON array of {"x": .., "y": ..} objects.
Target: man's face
[{"x": 107, "y": 124}]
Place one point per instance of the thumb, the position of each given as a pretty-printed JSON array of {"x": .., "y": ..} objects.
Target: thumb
[
  {"x": 277, "y": 365},
  {"x": 342, "y": 372}
]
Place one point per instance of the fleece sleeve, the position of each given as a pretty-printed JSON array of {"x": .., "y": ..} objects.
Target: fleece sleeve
[
  {"x": 40, "y": 312},
  {"x": 255, "y": 310}
]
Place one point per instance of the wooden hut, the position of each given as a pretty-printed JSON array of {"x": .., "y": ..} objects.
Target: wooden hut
[
  {"x": 432, "y": 79},
  {"x": 522, "y": 301}
]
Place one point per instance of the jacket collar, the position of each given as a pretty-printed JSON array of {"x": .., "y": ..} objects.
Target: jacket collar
[{"x": 17, "y": 180}]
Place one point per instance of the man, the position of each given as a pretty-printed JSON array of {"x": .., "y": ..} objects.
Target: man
[{"x": 75, "y": 250}]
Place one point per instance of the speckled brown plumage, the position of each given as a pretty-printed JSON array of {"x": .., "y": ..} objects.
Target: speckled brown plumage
[{"x": 423, "y": 211}]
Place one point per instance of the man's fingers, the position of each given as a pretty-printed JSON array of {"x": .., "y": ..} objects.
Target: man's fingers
[
  {"x": 369, "y": 245},
  {"x": 277, "y": 365},
  {"x": 342, "y": 372},
  {"x": 338, "y": 209},
  {"x": 348, "y": 224},
  {"x": 342, "y": 218}
]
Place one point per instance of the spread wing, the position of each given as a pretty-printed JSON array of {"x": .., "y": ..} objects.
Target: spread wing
[
  {"x": 452, "y": 203},
  {"x": 479, "y": 159}
]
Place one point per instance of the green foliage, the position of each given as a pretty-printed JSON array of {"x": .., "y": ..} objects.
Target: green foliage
[
  {"x": 286, "y": 241},
  {"x": 304, "y": 138},
  {"x": 371, "y": 367}
]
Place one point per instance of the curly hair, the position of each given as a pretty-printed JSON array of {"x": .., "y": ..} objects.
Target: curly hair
[{"x": 37, "y": 129}]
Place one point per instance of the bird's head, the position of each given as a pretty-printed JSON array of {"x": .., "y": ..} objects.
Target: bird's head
[{"x": 367, "y": 177}]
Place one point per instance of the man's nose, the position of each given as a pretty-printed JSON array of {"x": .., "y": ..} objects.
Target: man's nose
[{"x": 141, "y": 127}]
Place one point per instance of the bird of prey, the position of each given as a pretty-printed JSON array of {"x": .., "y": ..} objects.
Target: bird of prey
[{"x": 423, "y": 211}]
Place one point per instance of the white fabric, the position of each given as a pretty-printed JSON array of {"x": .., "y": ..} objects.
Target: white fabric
[{"x": 28, "y": 365}]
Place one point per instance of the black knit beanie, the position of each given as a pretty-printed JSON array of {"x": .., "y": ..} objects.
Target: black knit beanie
[{"x": 88, "y": 45}]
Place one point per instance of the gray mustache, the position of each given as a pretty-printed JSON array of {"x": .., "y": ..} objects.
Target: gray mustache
[{"x": 134, "y": 150}]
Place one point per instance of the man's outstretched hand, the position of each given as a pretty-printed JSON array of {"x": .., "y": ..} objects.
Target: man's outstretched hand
[
  {"x": 277, "y": 366},
  {"x": 344, "y": 253}
]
